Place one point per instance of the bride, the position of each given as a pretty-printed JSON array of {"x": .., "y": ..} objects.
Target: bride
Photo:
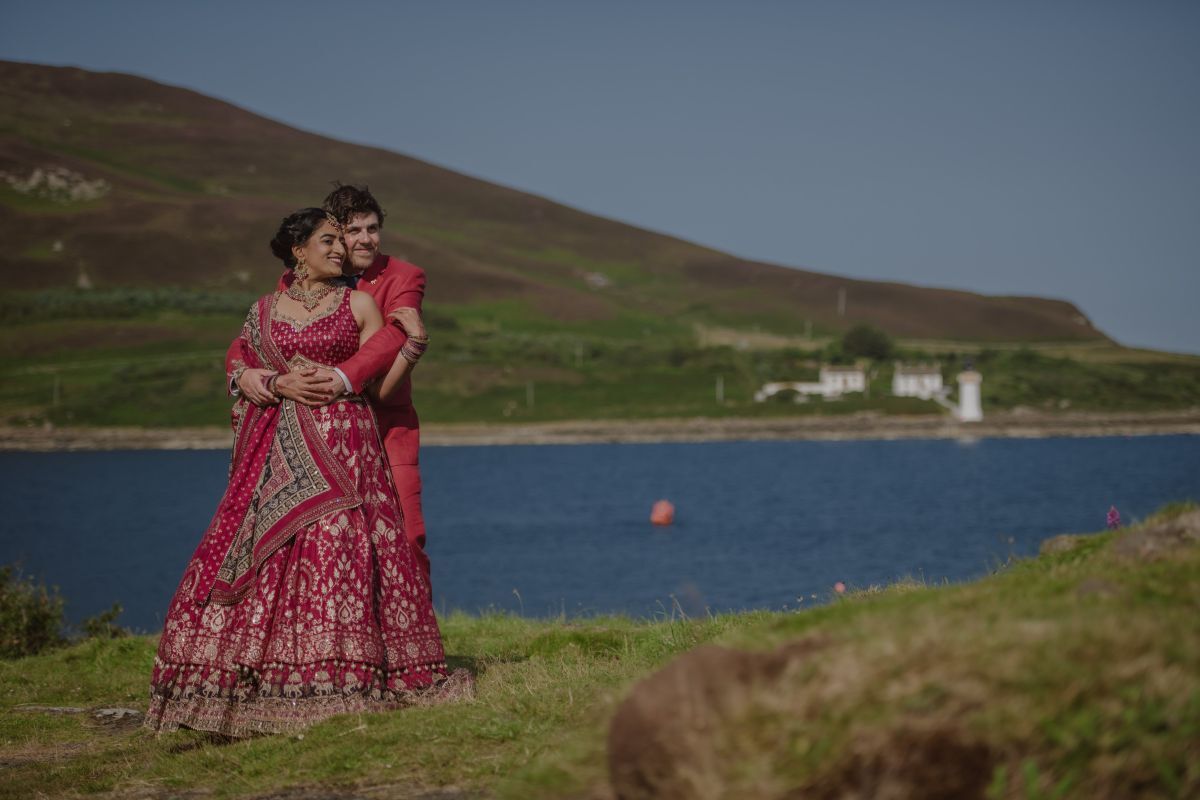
[{"x": 304, "y": 598}]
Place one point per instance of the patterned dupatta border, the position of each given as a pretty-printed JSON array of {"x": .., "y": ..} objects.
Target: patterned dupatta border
[{"x": 281, "y": 452}]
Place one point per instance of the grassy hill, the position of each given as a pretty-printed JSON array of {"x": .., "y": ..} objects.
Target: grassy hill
[
  {"x": 159, "y": 201},
  {"x": 1072, "y": 675},
  {"x": 193, "y": 188}
]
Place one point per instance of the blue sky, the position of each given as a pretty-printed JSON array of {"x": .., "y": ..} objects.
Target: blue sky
[{"x": 1045, "y": 148}]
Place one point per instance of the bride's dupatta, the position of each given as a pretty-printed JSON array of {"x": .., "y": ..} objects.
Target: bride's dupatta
[{"x": 282, "y": 477}]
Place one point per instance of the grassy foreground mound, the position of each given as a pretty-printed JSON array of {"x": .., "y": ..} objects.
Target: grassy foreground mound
[{"x": 1075, "y": 674}]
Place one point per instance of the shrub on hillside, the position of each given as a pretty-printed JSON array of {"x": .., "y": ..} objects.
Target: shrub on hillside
[
  {"x": 104, "y": 625},
  {"x": 31, "y": 616},
  {"x": 32, "y": 620}
]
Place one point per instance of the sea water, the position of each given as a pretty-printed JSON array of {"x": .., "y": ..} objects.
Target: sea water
[{"x": 547, "y": 530}]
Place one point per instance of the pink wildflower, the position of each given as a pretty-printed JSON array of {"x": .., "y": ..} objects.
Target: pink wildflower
[
  {"x": 839, "y": 587},
  {"x": 1114, "y": 518}
]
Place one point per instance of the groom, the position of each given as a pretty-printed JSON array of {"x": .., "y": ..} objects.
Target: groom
[{"x": 398, "y": 288}]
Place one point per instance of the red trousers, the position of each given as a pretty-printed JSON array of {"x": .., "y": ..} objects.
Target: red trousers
[
  {"x": 402, "y": 441},
  {"x": 407, "y": 478}
]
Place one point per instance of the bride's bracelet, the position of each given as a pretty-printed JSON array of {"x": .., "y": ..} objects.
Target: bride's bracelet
[{"x": 414, "y": 348}]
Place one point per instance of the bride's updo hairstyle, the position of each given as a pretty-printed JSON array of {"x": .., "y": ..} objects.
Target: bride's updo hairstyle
[{"x": 294, "y": 231}]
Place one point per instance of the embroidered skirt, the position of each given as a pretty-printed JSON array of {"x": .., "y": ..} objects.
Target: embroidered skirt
[{"x": 339, "y": 619}]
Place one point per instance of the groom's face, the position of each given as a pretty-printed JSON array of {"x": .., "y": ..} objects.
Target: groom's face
[{"x": 362, "y": 241}]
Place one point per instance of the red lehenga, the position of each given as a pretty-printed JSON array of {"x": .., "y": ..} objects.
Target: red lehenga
[{"x": 304, "y": 598}]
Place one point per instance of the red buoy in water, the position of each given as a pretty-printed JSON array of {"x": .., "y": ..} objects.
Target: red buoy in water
[{"x": 662, "y": 513}]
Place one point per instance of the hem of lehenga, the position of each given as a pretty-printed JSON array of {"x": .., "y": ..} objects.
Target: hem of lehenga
[{"x": 273, "y": 715}]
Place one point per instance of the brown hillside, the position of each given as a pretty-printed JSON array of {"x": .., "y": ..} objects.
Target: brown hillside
[{"x": 195, "y": 187}]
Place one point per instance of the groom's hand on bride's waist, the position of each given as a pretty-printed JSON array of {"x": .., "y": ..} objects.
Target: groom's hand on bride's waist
[{"x": 314, "y": 386}]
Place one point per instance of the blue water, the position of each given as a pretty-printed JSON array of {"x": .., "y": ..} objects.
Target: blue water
[{"x": 551, "y": 529}]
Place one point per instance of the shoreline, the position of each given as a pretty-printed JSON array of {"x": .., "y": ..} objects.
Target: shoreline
[{"x": 1016, "y": 424}]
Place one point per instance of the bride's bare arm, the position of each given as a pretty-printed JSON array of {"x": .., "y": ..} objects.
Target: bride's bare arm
[
  {"x": 414, "y": 327},
  {"x": 366, "y": 314},
  {"x": 392, "y": 380}
]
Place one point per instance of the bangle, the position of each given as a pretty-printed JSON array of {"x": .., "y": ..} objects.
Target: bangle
[
  {"x": 271, "y": 384},
  {"x": 414, "y": 348}
]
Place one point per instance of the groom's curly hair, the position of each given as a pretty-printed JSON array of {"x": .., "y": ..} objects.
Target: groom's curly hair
[{"x": 346, "y": 202}]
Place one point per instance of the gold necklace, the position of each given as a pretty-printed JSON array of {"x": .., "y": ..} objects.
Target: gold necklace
[{"x": 309, "y": 299}]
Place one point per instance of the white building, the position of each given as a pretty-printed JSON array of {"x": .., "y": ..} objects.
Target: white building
[
  {"x": 917, "y": 380},
  {"x": 834, "y": 382},
  {"x": 842, "y": 380}
]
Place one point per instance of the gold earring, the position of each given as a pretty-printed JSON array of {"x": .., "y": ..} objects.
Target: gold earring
[{"x": 301, "y": 270}]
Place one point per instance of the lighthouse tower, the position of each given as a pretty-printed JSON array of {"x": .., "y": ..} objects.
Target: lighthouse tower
[{"x": 969, "y": 407}]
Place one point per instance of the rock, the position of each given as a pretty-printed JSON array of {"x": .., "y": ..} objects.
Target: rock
[
  {"x": 392, "y": 792},
  {"x": 114, "y": 714},
  {"x": 660, "y": 743},
  {"x": 681, "y": 735},
  {"x": 51, "y": 709}
]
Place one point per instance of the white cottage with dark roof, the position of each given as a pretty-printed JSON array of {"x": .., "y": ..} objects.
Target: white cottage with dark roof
[{"x": 917, "y": 380}]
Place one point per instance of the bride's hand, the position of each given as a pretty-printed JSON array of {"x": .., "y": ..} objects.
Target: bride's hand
[
  {"x": 409, "y": 319},
  {"x": 253, "y": 383}
]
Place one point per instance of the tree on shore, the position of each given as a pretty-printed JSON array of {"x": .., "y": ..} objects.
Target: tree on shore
[{"x": 864, "y": 341}]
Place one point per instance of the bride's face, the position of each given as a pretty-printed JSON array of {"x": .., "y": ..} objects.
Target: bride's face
[{"x": 324, "y": 252}]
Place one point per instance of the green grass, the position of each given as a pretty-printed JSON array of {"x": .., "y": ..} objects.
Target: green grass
[
  {"x": 537, "y": 679},
  {"x": 154, "y": 357},
  {"x": 1069, "y": 691},
  {"x": 1026, "y": 377},
  {"x": 165, "y": 369},
  {"x": 34, "y": 307}
]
